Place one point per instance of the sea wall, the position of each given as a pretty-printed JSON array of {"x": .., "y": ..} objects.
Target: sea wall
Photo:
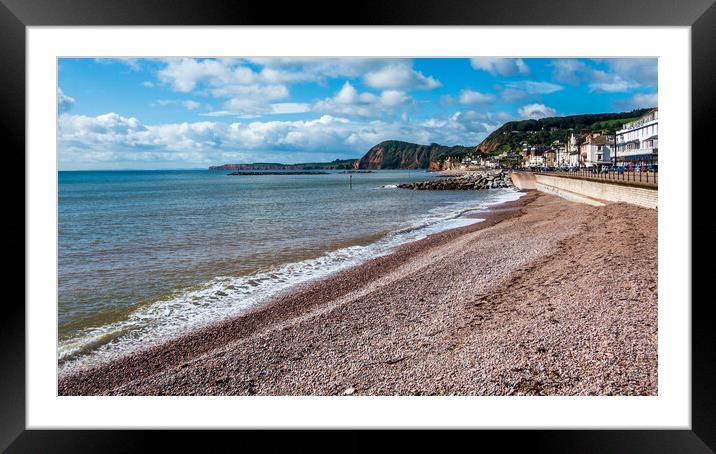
[
  {"x": 524, "y": 180},
  {"x": 587, "y": 191}
]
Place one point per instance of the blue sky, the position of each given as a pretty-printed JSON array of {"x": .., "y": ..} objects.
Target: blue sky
[{"x": 194, "y": 112}]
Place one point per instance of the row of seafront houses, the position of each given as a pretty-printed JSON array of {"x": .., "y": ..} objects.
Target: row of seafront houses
[{"x": 635, "y": 145}]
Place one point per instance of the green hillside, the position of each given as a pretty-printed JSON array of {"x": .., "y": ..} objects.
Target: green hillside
[{"x": 545, "y": 131}]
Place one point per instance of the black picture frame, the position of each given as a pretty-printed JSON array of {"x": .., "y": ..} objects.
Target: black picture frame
[{"x": 700, "y": 15}]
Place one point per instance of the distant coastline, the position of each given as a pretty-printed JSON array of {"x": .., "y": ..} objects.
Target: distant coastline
[
  {"x": 338, "y": 164},
  {"x": 271, "y": 172}
]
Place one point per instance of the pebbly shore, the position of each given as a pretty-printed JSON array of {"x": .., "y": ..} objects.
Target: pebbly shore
[
  {"x": 468, "y": 181},
  {"x": 525, "y": 303}
]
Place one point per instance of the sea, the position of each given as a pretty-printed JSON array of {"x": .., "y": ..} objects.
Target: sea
[{"x": 148, "y": 255}]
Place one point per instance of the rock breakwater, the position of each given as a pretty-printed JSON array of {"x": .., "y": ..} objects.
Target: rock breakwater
[
  {"x": 244, "y": 173},
  {"x": 469, "y": 181}
]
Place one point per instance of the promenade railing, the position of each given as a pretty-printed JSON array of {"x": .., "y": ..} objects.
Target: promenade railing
[{"x": 644, "y": 178}]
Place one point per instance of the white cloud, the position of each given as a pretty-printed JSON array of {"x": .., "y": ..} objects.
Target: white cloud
[
  {"x": 524, "y": 89},
  {"x": 188, "y": 104},
  {"x": 281, "y": 108},
  {"x": 251, "y": 99},
  {"x": 107, "y": 130},
  {"x": 273, "y": 75},
  {"x": 642, "y": 71},
  {"x": 534, "y": 86},
  {"x": 500, "y": 66},
  {"x": 513, "y": 95},
  {"x": 89, "y": 141},
  {"x": 639, "y": 101},
  {"x": 469, "y": 123},
  {"x": 399, "y": 76},
  {"x": 290, "y": 108},
  {"x": 320, "y": 68},
  {"x": 347, "y": 95},
  {"x": 64, "y": 102},
  {"x": 122, "y": 134},
  {"x": 568, "y": 71},
  {"x": 603, "y": 82},
  {"x": 447, "y": 100},
  {"x": 646, "y": 100},
  {"x": 536, "y": 111},
  {"x": 183, "y": 74},
  {"x": 348, "y": 101},
  {"x": 132, "y": 63},
  {"x": 392, "y": 98},
  {"x": 191, "y": 105},
  {"x": 474, "y": 97},
  {"x": 219, "y": 113},
  {"x": 381, "y": 73},
  {"x": 621, "y": 75},
  {"x": 247, "y": 91}
]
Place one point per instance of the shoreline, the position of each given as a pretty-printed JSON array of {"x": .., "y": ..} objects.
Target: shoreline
[
  {"x": 323, "y": 336},
  {"x": 287, "y": 275}
]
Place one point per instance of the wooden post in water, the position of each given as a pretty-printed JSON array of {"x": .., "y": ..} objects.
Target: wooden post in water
[{"x": 350, "y": 181}]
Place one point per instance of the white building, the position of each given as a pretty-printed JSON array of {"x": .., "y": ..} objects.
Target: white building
[
  {"x": 471, "y": 160},
  {"x": 638, "y": 141},
  {"x": 534, "y": 161},
  {"x": 572, "y": 151},
  {"x": 533, "y": 157},
  {"x": 562, "y": 156},
  {"x": 596, "y": 150}
]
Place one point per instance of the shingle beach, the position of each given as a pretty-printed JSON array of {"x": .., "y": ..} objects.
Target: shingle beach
[{"x": 545, "y": 297}]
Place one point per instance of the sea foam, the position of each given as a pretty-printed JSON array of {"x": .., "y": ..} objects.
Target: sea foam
[{"x": 228, "y": 296}]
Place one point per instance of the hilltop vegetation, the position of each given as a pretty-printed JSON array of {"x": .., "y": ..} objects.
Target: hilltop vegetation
[{"x": 545, "y": 131}]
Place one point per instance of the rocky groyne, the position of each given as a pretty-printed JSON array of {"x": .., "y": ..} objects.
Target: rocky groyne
[{"x": 468, "y": 181}]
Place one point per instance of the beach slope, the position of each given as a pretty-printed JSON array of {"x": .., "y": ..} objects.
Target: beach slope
[{"x": 545, "y": 297}]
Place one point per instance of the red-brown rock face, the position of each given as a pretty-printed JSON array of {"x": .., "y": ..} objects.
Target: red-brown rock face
[{"x": 372, "y": 159}]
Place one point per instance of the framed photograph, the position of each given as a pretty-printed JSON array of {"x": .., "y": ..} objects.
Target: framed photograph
[{"x": 413, "y": 216}]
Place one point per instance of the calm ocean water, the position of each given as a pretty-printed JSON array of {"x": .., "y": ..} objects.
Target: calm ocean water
[{"x": 146, "y": 255}]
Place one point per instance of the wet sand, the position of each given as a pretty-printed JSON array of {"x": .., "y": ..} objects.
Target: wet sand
[{"x": 545, "y": 297}]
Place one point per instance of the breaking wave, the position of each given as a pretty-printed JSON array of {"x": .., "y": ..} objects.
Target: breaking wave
[{"x": 227, "y": 296}]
